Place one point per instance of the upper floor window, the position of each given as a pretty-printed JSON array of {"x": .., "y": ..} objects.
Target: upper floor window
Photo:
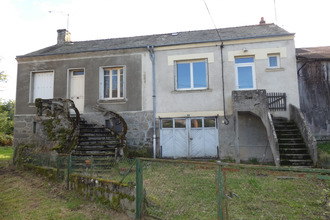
[
  {"x": 245, "y": 75},
  {"x": 41, "y": 85},
  {"x": 273, "y": 61},
  {"x": 191, "y": 74},
  {"x": 112, "y": 83}
]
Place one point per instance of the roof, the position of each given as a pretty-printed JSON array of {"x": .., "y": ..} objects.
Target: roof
[
  {"x": 179, "y": 38},
  {"x": 314, "y": 53}
]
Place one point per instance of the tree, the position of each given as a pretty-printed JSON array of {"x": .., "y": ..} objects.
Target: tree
[
  {"x": 6, "y": 122},
  {"x": 3, "y": 75}
]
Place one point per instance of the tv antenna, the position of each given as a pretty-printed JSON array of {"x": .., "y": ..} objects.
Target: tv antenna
[{"x": 67, "y": 18}]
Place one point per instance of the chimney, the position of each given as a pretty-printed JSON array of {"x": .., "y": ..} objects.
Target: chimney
[
  {"x": 262, "y": 21},
  {"x": 63, "y": 36}
]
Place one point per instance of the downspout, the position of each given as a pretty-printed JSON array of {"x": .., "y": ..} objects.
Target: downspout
[
  {"x": 226, "y": 121},
  {"x": 152, "y": 57}
]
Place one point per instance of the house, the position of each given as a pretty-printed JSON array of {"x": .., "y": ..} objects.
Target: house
[
  {"x": 313, "y": 66},
  {"x": 195, "y": 94}
]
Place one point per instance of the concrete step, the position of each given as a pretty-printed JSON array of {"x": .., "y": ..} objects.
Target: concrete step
[
  {"x": 96, "y": 138},
  {"x": 296, "y": 162},
  {"x": 296, "y": 156},
  {"x": 94, "y": 154},
  {"x": 292, "y": 145},
  {"x": 98, "y": 143},
  {"x": 293, "y": 151}
]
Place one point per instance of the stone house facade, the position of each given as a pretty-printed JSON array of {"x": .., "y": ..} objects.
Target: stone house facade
[{"x": 183, "y": 95}]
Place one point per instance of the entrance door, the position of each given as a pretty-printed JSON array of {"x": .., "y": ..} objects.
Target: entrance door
[
  {"x": 190, "y": 137},
  {"x": 77, "y": 88}
]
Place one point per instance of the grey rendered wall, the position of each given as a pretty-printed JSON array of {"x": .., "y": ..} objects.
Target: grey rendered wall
[
  {"x": 91, "y": 64},
  {"x": 253, "y": 141}
]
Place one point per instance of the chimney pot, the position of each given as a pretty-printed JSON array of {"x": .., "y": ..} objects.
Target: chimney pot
[
  {"x": 63, "y": 36},
  {"x": 262, "y": 21}
]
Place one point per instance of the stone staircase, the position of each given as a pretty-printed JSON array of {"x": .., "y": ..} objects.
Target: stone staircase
[
  {"x": 96, "y": 148},
  {"x": 293, "y": 151}
]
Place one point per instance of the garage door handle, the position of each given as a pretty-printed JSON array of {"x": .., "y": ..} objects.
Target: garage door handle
[{"x": 191, "y": 139}]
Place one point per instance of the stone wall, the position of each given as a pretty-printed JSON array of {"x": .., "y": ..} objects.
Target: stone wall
[
  {"x": 23, "y": 129},
  {"x": 118, "y": 195}
]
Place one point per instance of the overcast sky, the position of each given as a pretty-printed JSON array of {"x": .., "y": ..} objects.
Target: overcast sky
[{"x": 27, "y": 25}]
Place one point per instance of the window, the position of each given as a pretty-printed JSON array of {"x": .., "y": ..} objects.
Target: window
[
  {"x": 191, "y": 75},
  {"x": 112, "y": 83},
  {"x": 245, "y": 76},
  {"x": 274, "y": 61},
  {"x": 42, "y": 85}
]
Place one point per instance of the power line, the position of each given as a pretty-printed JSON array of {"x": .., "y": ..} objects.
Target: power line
[
  {"x": 226, "y": 121},
  {"x": 207, "y": 8}
]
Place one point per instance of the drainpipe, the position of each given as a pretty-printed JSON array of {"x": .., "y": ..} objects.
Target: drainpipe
[{"x": 152, "y": 57}]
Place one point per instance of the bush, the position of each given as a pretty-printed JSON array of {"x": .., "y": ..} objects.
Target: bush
[
  {"x": 5, "y": 139},
  {"x": 139, "y": 152}
]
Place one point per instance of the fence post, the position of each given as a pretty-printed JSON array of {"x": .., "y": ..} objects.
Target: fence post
[
  {"x": 57, "y": 168},
  {"x": 139, "y": 189},
  {"x": 220, "y": 192},
  {"x": 69, "y": 171}
]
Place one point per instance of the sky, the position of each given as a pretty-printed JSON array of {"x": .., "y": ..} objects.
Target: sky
[{"x": 27, "y": 25}]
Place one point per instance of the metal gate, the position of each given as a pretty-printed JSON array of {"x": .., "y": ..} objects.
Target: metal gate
[{"x": 189, "y": 137}]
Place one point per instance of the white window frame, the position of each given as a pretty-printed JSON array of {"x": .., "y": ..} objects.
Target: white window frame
[
  {"x": 247, "y": 64},
  {"x": 31, "y": 90},
  {"x": 101, "y": 79},
  {"x": 191, "y": 74},
  {"x": 277, "y": 60}
]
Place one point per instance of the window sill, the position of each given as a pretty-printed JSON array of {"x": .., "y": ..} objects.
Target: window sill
[
  {"x": 111, "y": 101},
  {"x": 191, "y": 91},
  {"x": 274, "y": 69}
]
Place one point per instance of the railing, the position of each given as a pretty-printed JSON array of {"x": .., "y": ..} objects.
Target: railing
[
  {"x": 276, "y": 101},
  {"x": 59, "y": 123},
  {"x": 57, "y": 106},
  {"x": 117, "y": 125},
  {"x": 273, "y": 141}
]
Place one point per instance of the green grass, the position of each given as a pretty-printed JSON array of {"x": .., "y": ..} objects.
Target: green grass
[
  {"x": 27, "y": 196},
  {"x": 6, "y": 153},
  {"x": 324, "y": 147},
  {"x": 187, "y": 191}
]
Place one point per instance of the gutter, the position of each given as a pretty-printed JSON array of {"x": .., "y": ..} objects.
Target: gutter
[{"x": 152, "y": 57}]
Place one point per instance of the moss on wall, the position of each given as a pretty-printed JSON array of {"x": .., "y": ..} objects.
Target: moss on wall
[
  {"x": 108, "y": 192},
  {"x": 50, "y": 173}
]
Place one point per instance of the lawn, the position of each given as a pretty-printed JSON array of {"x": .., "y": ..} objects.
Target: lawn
[
  {"x": 188, "y": 191},
  {"x": 27, "y": 196},
  {"x": 6, "y": 153}
]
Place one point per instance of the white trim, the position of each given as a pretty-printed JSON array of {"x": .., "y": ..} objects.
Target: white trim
[
  {"x": 191, "y": 74},
  {"x": 101, "y": 82},
  {"x": 31, "y": 89},
  {"x": 250, "y": 64},
  {"x": 277, "y": 60}
]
